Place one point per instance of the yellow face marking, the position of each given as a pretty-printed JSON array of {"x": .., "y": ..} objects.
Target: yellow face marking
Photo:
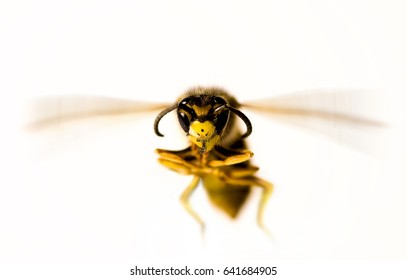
[
  {"x": 202, "y": 131},
  {"x": 203, "y": 135},
  {"x": 201, "y": 110}
]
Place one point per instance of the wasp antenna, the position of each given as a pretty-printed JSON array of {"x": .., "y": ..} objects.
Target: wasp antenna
[
  {"x": 243, "y": 118},
  {"x": 159, "y": 117}
]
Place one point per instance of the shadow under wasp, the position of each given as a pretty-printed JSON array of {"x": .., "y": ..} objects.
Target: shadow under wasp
[{"x": 217, "y": 154}]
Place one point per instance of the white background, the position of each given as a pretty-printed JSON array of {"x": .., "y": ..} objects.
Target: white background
[{"x": 94, "y": 192}]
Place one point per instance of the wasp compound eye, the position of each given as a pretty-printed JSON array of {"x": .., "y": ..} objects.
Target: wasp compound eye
[
  {"x": 221, "y": 121},
  {"x": 183, "y": 121}
]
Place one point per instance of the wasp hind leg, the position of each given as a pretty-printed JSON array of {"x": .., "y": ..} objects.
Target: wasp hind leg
[
  {"x": 186, "y": 194},
  {"x": 266, "y": 193}
]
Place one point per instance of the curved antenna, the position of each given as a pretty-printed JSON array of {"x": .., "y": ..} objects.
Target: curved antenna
[
  {"x": 159, "y": 117},
  {"x": 244, "y": 119}
]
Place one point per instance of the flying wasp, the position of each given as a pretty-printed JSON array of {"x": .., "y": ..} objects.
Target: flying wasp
[{"x": 217, "y": 153}]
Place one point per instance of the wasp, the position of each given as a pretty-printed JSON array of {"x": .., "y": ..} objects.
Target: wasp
[{"x": 217, "y": 154}]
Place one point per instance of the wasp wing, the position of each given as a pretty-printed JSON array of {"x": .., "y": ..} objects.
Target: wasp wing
[
  {"x": 345, "y": 116},
  {"x": 50, "y": 111}
]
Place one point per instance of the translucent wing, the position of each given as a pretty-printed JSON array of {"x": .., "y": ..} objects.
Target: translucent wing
[
  {"x": 50, "y": 111},
  {"x": 350, "y": 117}
]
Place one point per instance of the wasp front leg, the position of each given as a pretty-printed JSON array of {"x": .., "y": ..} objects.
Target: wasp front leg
[
  {"x": 175, "y": 161},
  {"x": 232, "y": 160}
]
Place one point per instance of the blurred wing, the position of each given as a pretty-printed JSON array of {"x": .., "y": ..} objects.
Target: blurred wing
[
  {"x": 350, "y": 117},
  {"x": 50, "y": 111}
]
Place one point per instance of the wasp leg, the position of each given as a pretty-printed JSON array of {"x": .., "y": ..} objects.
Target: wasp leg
[
  {"x": 267, "y": 191},
  {"x": 237, "y": 172},
  {"x": 181, "y": 168},
  {"x": 174, "y": 161},
  {"x": 185, "y": 201},
  {"x": 168, "y": 155},
  {"x": 231, "y": 160}
]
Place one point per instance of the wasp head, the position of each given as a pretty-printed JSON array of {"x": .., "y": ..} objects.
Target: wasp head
[{"x": 204, "y": 118}]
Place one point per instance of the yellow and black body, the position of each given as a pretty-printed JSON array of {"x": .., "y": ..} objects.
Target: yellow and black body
[{"x": 217, "y": 154}]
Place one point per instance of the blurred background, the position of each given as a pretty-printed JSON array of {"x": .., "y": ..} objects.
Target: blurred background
[{"x": 94, "y": 190}]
